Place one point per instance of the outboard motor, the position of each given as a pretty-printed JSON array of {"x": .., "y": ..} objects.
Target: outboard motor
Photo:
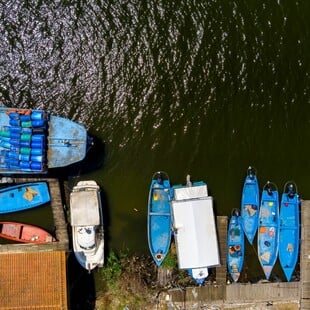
[
  {"x": 290, "y": 192},
  {"x": 269, "y": 189}
]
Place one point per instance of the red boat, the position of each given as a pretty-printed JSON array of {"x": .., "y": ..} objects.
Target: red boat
[{"x": 26, "y": 233}]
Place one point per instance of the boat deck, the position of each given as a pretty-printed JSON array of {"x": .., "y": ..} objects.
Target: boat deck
[{"x": 34, "y": 276}]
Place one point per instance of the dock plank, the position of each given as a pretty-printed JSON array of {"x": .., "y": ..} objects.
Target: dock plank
[{"x": 221, "y": 271}]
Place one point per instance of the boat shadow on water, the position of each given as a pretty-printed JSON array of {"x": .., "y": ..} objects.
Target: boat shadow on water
[
  {"x": 82, "y": 291},
  {"x": 93, "y": 161}
]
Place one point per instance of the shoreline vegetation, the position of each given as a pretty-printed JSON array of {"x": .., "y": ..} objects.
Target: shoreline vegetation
[
  {"x": 134, "y": 282},
  {"x": 129, "y": 281}
]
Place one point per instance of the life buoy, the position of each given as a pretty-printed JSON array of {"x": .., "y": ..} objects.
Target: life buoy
[{"x": 237, "y": 247}]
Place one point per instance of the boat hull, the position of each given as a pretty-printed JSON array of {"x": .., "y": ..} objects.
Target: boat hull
[
  {"x": 268, "y": 231},
  {"x": 250, "y": 206},
  {"x": 32, "y": 141},
  {"x": 235, "y": 246},
  {"x": 66, "y": 146},
  {"x": 26, "y": 233},
  {"x": 289, "y": 234},
  {"x": 23, "y": 196},
  {"x": 87, "y": 224},
  {"x": 159, "y": 217}
]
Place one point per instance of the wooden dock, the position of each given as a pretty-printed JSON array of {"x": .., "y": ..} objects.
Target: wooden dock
[
  {"x": 221, "y": 274},
  {"x": 35, "y": 276},
  {"x": 266, "y": 295},
  {"x": 216, "y": 295},
  {"x": 305, "y": 255},
  {"x": 60, "y": 223}
]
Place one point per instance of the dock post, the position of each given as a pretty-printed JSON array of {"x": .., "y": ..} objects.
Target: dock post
[
  {"x": 305, "y": 255},
  {"x": 222, "y": 238}
]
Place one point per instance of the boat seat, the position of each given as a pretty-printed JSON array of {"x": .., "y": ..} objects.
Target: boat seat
[
  {"x": 288, "y": 228},
  {"x": 160, "y": 213}
]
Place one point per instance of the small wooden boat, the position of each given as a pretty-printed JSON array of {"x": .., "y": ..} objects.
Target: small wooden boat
[
  {"x": 235, "y": 245},
  {"x": 250, "y": 205},
  {"x": 87, "y": 224},
  {"x": 268, "y": 228},
  {"x": 26, "y": 233},
  {"x": 289, "y": 229},
  {"x": 23, "y": 196},
  {"x": 159, "y": 217},
  {"x": 32, "y": 141}
]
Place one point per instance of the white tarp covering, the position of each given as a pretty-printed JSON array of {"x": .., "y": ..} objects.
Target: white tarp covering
[
  {"x": 195, "y": 231},
  {"x": 190, "y": 192},
  {"x": 84, "y": 207}
]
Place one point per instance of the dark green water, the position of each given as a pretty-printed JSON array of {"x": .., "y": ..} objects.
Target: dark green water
[{"x": 200, "y": 87}]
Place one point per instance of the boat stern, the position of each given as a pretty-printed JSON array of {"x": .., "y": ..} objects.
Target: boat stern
[
  {"x": 199, "y": 274},
  {"x": 68, "y": 142}
]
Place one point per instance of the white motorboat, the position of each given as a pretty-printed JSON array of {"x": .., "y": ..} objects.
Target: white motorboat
[{"x": 87, "y": 224}]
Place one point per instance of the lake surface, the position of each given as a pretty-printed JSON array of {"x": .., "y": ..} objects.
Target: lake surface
[{"x": 204, "y": 88}]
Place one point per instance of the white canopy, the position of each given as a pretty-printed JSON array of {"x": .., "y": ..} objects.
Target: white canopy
[
  {"x": 195, "y": 230},
  {"x": 181, "y": 193},
  {"x": 84, "y": 206}
]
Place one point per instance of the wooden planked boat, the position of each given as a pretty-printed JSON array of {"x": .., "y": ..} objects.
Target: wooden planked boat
[
  {"x": 289, "y": 229},
  {"x": 23, "y": 196},
  {"x": 235, "y": 245},
  {"x": 32, "y": 141},
  {"x": 159, "y": 217},
  {"x": 268, "y": 228},
  {"x": 26, "y": 233},
  {"x": 250, "y": 204},
  {"x": 86, "y": 219}
]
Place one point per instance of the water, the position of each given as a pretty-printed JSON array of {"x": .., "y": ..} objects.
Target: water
[{"x": 200, "y": 87}]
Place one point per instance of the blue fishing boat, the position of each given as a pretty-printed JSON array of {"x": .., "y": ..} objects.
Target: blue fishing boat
[
  {"x": 250, "y": 204},
  {"x": 23, "y": 196},
  {"x": 289, "y": 229},
  {"x": 159, "y": 217},
  {"x": 235, "y": 245},
  {"x": 32, "y": 141},
  {"x": 268, "y": 228}
]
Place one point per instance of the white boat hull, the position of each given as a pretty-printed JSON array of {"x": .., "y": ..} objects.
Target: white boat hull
[{"x": 87, "y": 225}]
